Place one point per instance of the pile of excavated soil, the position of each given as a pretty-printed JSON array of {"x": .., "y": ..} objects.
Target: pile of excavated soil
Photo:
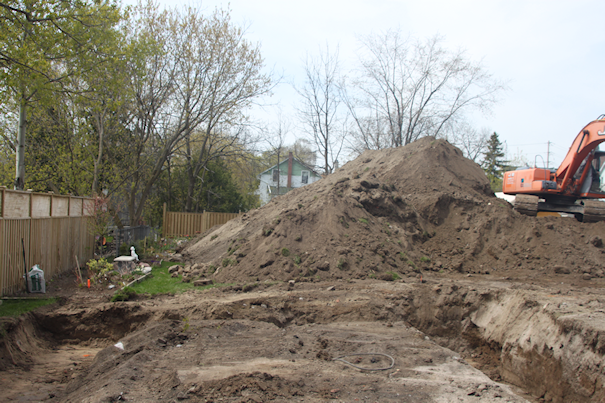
[{"x": 396, "y": 213}]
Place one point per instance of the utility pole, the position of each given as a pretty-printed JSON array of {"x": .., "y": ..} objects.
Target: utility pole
[{"x": 548, "y": 155}]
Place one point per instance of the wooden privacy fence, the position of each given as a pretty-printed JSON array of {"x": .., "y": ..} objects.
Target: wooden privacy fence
[
  {"x": 188, "y": 224},
  {"x": 53, "y": 229}
]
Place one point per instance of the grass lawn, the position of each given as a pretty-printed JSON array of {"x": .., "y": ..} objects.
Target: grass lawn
[
  {"x": 162, "y": 283},
  {"x": 16, "y": 307}
]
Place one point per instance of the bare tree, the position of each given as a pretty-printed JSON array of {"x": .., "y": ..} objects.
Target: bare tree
[
  {"x": 321, "y": 111},
  {"x": 411, "y": 88},
  {"x": 473, "y": 143},
  {"x": 219, "y": 76},
  {"x": 276, "y": 138}
]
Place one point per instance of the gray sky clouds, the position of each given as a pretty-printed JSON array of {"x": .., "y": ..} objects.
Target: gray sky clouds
[{"x": 551, "y": 53}]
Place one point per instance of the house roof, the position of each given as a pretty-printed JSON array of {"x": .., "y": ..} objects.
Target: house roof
[{"x": 293, "y": 159}]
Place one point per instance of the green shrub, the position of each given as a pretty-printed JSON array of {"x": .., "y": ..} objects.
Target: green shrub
[
  {"x": 285, "y": 252},
  {"x": 296, "y": 259},
  {"x": 363, "y": 221},
  {"x": 124, "y": 294}
]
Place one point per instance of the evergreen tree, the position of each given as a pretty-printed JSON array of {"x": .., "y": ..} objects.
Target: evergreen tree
[{"x": 493, "y": 162}]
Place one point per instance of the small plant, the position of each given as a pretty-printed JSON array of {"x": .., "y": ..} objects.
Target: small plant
[
  {"x": 296, "y": 259},
  {"x": 372, "y": 275},
  {"x": 343, "y": 222},
  {"x": 285, "y": 252},
  {"x": 300, "y": 205},
  {"x": 298, "y": 238},
  {"x": 363, "y": 221},
  {"x": 342, "y": 263},
  {"x": 367, "y": 169},
  {"x": 213, "y": 237},
  {"x": 211, "y": 269},
  {"x": 230, "y": 251},
  {"x": 425, "y": 259},
  {"x": 394, "y": 275},
  {"x": 99, "y": 270},
  {"x": 124, "y": 294},
  {"x": 315, "y": 197},
  {"x": 185, "y": 324},
  {"x": 227, "y": 262},
  {"x": 276, "y": 221}
]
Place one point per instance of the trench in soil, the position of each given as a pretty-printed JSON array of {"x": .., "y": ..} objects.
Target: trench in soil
[{"x": 512, "y": 336}]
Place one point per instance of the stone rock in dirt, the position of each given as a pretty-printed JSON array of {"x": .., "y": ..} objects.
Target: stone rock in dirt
[{"x": 597, "y": 241}]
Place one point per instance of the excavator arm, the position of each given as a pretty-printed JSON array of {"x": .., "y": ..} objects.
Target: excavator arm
[{"x": 585, "y": 143}]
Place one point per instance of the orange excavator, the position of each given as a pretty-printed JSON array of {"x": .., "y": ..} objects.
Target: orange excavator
[{"x": 574, "y": 188}]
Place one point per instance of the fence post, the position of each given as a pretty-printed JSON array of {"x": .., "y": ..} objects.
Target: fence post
[{"x": 164, "y": 222}]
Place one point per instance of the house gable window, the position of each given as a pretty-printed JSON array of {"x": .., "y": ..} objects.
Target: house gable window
[
  {"x": 304, "y": 177},
  {"x": 275, "y": 175}
]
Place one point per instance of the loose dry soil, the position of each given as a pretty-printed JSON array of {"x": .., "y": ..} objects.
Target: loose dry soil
[{"x": 403, "y": 261}]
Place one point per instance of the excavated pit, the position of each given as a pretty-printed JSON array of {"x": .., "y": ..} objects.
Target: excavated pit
[
  {"x": 520, "y": 298},
  {"x": 283, "y": 337}
]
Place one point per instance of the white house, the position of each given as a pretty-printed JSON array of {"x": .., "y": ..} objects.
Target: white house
[{"x": 291, "y": 174}]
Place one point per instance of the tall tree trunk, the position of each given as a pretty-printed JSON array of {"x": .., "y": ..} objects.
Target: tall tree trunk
[
  {"x": 95, "y": 177},
  {"x": 20, "y": 149}
]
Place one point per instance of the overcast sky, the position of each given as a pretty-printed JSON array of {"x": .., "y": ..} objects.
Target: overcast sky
[{"x": 551, "y": 53}]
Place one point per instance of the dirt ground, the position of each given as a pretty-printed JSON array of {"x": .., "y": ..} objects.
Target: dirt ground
[{"x": 402, "y": 261}]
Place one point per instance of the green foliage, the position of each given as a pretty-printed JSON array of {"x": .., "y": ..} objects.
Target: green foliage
[
  {"x": 342, "y": 263},
  {"x": 99, "y": 270},
  {"x": 124, "y": 294},
  {"x": 17, "y": 307},
  {"x": 363, "y": 220},
  {"x": 228, "y": 262},
  {"x": 296, "y": 259},
  {"x": 285, "y": 252},
  {"x": 393, "y": 275},
  {"x": 493, "y": 162},
  {"x": 425, "y": 259}
]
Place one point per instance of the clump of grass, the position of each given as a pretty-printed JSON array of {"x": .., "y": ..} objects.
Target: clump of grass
[
  {"x": 425, "y": 259},
  {"x": 298, "y": 238},
  {"x": 124, "y": 294},
  {"x": 232, "y": 250},
  {"x": 213, "y": 237},
  {"x": 285, "y": 252},
  {"x": 227, "y": 262},
  {"x": 363, "y": 220},
  {"x": 296, "y": 259},
  {"x": 211, "y": 269},
  {"x": 342, "y": 263},
  {"x": 394, "y": 275},
  {"x": 300, "y": 205}
]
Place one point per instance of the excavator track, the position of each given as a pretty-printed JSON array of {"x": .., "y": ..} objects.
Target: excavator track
[
  {"x": 526, "y": 204},
  {"x": 594, "y": 211}
]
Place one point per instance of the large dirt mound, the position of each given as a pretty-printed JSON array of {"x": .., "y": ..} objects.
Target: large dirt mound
[{"x": 393, "y": 213}]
